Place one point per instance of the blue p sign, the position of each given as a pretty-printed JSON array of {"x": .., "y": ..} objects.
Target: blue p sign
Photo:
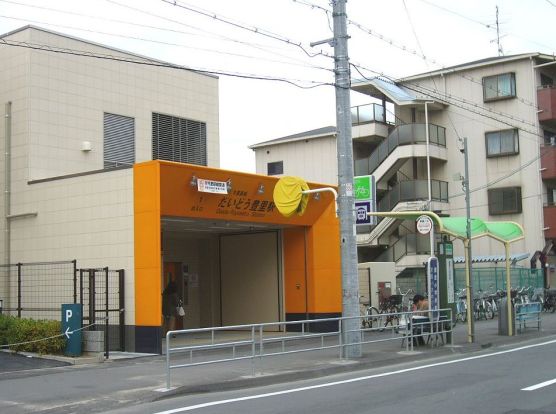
[{"x": 71, "y": 328}]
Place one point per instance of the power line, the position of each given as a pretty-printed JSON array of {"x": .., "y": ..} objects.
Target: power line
[
  {"x": 486, "y": 25},
  {"x": 143, "y": 39},
  {"x": 237, "y": 25},
  {"x": 173, "y": 31},
  {"x": 512, "y": 172},
  {"x": 211, "y": 34},
  {"x": 150, "y": 62},
  {"x": 425, "y": 58}
]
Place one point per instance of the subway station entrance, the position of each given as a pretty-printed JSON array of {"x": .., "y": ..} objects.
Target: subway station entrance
[{"x": 233, "y": 257}]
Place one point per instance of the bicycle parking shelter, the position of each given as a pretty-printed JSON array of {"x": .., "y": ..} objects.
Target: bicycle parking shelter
[{"x": 505, "y": 232}]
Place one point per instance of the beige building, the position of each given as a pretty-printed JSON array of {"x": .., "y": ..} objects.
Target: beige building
[
  {"x": 78, "y": 115},
  {"x": 110, "y": 178},
  {"x": 504, "y": 106}
]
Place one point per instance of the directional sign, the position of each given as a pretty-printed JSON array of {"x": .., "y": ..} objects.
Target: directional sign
[
  {"x": 71, "y": 328},
  {"x": 362, "y": 208},
  {"x": 432, "y": 269}
]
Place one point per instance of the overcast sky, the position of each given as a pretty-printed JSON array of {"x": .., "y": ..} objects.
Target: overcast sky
[{"x": 270, "y": 39}]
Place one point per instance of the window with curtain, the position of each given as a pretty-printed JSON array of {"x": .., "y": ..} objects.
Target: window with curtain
[
  {"x": 504, "y": 201},
  {"x": 501, "y": 143},
  {"x": 499, "y": 87}
]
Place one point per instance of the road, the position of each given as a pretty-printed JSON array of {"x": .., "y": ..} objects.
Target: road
[{"x": 512, "y": 380}]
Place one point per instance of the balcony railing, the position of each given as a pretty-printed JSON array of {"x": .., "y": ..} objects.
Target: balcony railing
[
  {"x": 410, "y": 244},
  {"x": 364, "y": 114},
  {"x": 407, "y": 134},
  {"x": 413, "y": 190}
]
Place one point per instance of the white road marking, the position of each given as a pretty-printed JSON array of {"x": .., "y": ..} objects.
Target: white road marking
[
  {"x": 541, "y": 385},
  {"x": 347, "y": 381}
]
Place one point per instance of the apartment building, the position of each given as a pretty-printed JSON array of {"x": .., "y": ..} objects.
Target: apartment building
[
  {"x": 504, "y": 106},
  {"x": 111, "y": 160}
]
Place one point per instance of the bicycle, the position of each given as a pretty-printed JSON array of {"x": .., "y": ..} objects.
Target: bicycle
[
  {"x": 386, "y": 314},
  {"x": 482, "y": 307},
  {"x": 461, "y": 307}
]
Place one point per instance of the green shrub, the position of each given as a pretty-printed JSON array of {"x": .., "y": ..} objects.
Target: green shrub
[{"x": 16, "y": 331}]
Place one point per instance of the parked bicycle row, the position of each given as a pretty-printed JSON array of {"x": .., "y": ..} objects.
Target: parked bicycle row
[{"x": 486, "y": 305}]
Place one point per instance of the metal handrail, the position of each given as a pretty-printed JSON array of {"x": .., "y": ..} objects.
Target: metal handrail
[
  {"x": 407, "y": 134},
  {"x": 257, "y": 342}
]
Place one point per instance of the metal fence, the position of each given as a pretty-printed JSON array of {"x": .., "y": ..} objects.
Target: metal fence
[
  {"x": 203, "y": 346},
  {"x": 494, "y": 278},
  {"x": 484, "y": 278},
  {"x": 102, "y": 296},
  {"x": 38, "y": 290}
]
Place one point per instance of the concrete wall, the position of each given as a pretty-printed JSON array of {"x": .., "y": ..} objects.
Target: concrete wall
[
  {"x": 313, "y": 160},
  {"x": 376, "y": 272},
  {"x": 250, "y": 278}
]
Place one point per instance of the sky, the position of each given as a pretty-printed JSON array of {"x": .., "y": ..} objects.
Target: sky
[{"x": 272, "y": 83}]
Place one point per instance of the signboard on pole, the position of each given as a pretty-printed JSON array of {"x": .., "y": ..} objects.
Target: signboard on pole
[
  {"x": 424, "y": 224},
  {"x": 362, "y": 208},
  {"x": 365, "y": 199},
  {"x": 71, "y": 328},
  {"x": 432, "y": 270}
]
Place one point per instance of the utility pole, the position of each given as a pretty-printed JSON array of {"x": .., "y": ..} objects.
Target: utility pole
[
  {"x": 351, "y": 329},
  {"x": 468, "y": 256}
]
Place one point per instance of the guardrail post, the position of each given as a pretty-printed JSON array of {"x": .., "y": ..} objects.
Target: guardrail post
[
  {"x": 261, "y": 348},
  {"x": 253, "y": 350},
  {"x": 341, "y": 342},
  {"x": 168, "y": 360}
]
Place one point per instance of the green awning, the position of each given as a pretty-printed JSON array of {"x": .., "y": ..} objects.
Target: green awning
[{"x": 504, "y": 231}]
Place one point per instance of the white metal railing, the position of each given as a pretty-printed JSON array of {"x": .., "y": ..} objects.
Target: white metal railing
[{"x": 202, "y": 346}]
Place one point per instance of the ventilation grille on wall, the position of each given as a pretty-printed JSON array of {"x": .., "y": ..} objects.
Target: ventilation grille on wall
[
  {"x": 179, "y": 139},
  {"x": 119, "y": 140}
]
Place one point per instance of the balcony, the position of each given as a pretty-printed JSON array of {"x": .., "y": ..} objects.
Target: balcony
[
  {"x": 369, "y": 123},
  {"x": 413, "y": 190},
  {"x": 404, "y": 136},
  {"x": 550, "y": 221},
  {"x": 546, "y": 99},
  {"x": 410, "y": 244},
  {"x": 548, "y": 162}
]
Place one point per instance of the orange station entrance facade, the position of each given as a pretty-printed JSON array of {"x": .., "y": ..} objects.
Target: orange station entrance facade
[{"x": 234, "y": 258}]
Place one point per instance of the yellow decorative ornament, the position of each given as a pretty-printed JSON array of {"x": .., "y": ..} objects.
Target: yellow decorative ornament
[{"x": 288, "y": 196}]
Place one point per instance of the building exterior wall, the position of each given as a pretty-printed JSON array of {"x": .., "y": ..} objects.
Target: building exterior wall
[
  {"x": 313, "y": 160},
  {"x": 466, "y": 115},
  {"x": 58, "y": 102},
  {"x": 459, "y": 122}
]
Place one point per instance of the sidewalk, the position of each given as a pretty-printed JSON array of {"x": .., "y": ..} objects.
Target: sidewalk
[{"x": 137, "y": 379}]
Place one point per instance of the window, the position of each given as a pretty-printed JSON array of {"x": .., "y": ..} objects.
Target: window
[
  {"x": 546, "y": 80},
  {"x": 504, "y": 201},
  {"x": 179, "y": 139},
  {"x": 499, "y": 87},
  {"x": 500, "y": 143},
  {"x": 119, "y": 140},
  {"x": 275, "y": 168}
]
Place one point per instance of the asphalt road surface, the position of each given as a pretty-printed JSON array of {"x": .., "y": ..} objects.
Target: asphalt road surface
[{"x": 519, "y": 380}]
